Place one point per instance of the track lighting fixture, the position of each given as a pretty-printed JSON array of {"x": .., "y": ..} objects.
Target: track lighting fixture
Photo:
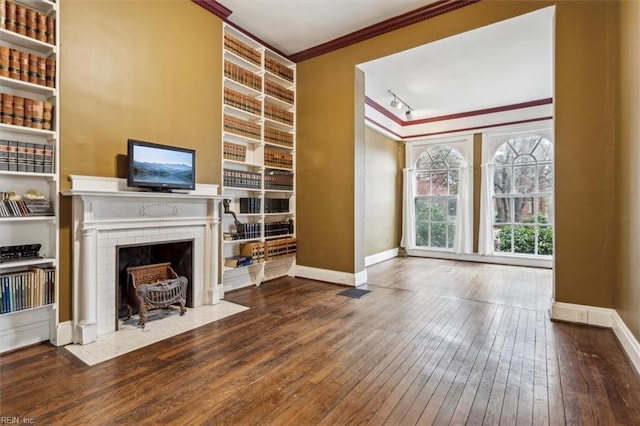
[
  {"x": 398, "y": 103},
  {"x": 395, "y": 103}
]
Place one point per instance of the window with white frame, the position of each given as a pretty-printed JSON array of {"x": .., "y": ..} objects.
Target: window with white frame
[
  {"x": 522, "y": 174},
  {"x": 436, "y": 201},
  {"x": 437, "y": 195}
]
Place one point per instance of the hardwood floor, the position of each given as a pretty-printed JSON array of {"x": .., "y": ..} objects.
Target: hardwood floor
[{"x": 435, "y": 342}]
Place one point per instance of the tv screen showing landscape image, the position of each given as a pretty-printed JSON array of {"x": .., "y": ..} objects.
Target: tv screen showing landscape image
[{"x": 160, "y": 167}]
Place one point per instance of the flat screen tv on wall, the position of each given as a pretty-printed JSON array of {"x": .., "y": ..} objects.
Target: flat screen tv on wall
[{"x": 160, "y": 167}]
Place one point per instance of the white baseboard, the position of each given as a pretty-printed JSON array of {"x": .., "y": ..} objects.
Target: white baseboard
[
  {"x": 627, "y": 340},
  {"x": 330, "y": 276},
  {"x": 602, "y": 317},
  {"x": 380, "y": 257}
]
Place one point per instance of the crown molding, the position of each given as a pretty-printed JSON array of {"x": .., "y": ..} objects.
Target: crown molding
[
  {"x": 392, "y": 24},
  {"x": 214, "y": 7},
  {"x": 391, "y": 116}
]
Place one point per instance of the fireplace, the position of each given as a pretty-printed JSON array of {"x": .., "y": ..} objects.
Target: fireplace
[
  {"x": 108, "y": 218},
  {"x": 179, "y": 254}
]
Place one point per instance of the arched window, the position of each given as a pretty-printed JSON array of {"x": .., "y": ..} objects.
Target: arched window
[
  {"x": 437, "y": 172},
  {"x": 522, "y": 196}
]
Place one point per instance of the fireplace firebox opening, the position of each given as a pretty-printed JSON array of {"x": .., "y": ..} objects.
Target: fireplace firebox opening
[{"x": 178, "y": 253}]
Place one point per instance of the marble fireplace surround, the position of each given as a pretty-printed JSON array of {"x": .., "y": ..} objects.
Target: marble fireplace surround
[{"x": 108, "y": 214}]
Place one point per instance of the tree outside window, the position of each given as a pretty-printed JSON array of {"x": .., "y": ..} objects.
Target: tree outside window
[
  {"x": 523, "y": 194},
  {"x": 436, "y": 196}
]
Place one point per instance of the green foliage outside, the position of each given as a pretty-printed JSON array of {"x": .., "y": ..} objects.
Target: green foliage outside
[
  {"x": 524, "y": 238},
  {"x": 436, "y": 218}
]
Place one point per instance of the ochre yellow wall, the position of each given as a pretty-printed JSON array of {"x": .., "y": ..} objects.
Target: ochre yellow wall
[
  {"x": 585, "y": 136},
  {"x": 144, "y": 69},
  {"x": 627, "y": 291},
  {"x": 383, "y": 192}
]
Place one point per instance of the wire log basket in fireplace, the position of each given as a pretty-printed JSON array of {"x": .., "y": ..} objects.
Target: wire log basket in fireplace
[{"x": 155, "y": 286}]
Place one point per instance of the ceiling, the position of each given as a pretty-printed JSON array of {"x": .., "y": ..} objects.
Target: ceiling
[{"x": 506, "y": 63}]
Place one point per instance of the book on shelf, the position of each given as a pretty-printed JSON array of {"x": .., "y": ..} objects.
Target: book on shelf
[
  {"x": 241, "y": 179},
  {"x": 282, "y": 247},
  {"x": 242, "y": 49},
  {"x": 275, "y": 158},
  {"x": 278, "y": 180},
  {"x": 242, "y": 76},
  {"x": 238, "y": 261},
  {"x": 26, "y": 156},
  {"x": 241, "y": 127},
  {"x": 249, "y": 205},
  {"x": 29, "y": 22},
  {"x": 10, "y": 206},
  {"x": 279, "y": 69},
  {"x": 278, "y": 137},
  {"x": 233, "y": 151},
  {"x": 272, "y": 229},
  {"x": 254, "y": 250},
  {"x": 276, "y": 205},
  {"x": 27, "y": 289}
]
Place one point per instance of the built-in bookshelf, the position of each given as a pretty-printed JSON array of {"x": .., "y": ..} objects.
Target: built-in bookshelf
[
  {"x": 258, "y": 152},
  {"x": 29, "y": 172}
]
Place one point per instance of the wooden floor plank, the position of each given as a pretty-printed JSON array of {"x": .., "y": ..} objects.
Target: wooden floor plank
[{"x": 435, "y": 342}]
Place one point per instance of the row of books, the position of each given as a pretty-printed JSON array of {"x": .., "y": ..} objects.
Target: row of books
[
  {"x": 246, "y": 231},
  {"x": 278, "y": 114},
  {"x": 277, "y": 136},
  {"x": 27, "y": 67},
  {"x": 242, "y": 76},
  {"x": 278, "y": 180},
  {"x": 28, "y": 22},
  {"x": 241, "y": 127},
  {"x": 279, "y": 69},
  {"x": 276, "y": 205},
  {"x": 277, "y": 91},
  {"x": 26, "y": 112},
  {"x": 258, "y": 252},
  {"x": 241, "y": 49},
  {"x": 271, "y": 205},
  {"x": 25, "y": 208},
  {"x": 27, "y": 289},
  {"x": 273, "y": 229},
  {"x": 281, "y": 247},
  {"x": 250, "y": 205},
  {"x": 32, "y": 157},
  {"x": 242, "y": 101},
  {"x": 241, "y": 179},
  {"x": 234, "y": 151},
  {"x": 275, "y": 158}
]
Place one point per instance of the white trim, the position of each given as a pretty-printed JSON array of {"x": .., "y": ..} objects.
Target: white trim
[
  {"x": 582, "y": 314},
  {"x": 330, "y": 276},
  {"x": 500, "y": 260},
  {"x": 602, "y": 317},
  {"x": 63, "y": 334},
  {"x": 627, "y": 340},
  {"x": 380, "y": 257}
]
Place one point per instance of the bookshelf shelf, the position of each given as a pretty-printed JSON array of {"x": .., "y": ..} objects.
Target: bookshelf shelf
[
  {"x": 41, "y": 307},
  {"x": 26, "y": 262},
  {"x": 29, "y": 161},
  {"x": 29, "y": 87},
  {"x": 16, "y": 39},
  {"x": 239, "y": 87},
  {"x": 264, "y": 161},
  {"x": 34, "y": 218}
]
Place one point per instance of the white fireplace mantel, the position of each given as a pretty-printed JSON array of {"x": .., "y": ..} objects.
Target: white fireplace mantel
[{"x": 108, "y": 214}]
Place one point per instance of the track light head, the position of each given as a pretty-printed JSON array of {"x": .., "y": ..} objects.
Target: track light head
[
  {"x": 409, "y": 114},
  {"x": 395, "y": 103}
]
